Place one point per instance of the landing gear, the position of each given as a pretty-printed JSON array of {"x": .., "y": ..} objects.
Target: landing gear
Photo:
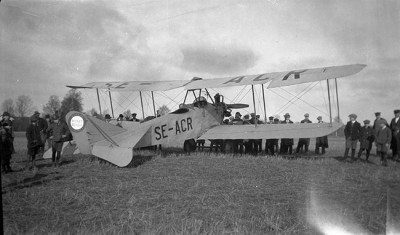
[{"x": 189, "y": 146}]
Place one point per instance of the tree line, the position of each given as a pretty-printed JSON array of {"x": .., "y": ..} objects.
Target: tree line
[{"x": 23, "y": 107}]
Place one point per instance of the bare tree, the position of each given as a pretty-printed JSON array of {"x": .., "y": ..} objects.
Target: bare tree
[
  {"x": 71, "y": 102},
  {"x": 127, "y": 113},
  {"x": 23, "y": 105},
  {"x": 163, "y": 110},
  {"x": 52, "y": 106},
  {"x": 8, "y": 106}
]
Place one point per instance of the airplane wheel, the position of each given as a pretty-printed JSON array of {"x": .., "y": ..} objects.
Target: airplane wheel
[
  {"x": 189, "y": 145},
  {"x": 228, "y": 146}
]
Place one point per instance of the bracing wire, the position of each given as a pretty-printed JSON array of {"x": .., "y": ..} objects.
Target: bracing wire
[{"x": 301, "y": 94}]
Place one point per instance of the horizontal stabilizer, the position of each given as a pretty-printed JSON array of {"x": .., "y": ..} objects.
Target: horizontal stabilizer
[
  {"x": 116, "y": 155},
  {"x": 271, "y": 131}
]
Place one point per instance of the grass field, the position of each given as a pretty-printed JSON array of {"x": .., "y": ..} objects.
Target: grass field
[{"x": 203, "y": 193}]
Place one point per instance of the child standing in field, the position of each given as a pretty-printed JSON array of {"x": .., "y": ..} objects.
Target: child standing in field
[
  {"x": 366, "y": 139},
  {"x": 59, "y": 132},
  {"x": 6, "y": 150},
  {"x": 383, "y": 138}
]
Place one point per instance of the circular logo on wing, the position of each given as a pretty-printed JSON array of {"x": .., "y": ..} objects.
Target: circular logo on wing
[{"x": 77, "y": 122}]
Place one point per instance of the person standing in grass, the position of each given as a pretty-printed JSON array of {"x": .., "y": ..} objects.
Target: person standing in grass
[
  {"x": 7, "y": 123},
  {"x": 286, "y": 143},
  {"x": 321, "y": 142},
  {"x": 60, "y": 132},
  {"x": 366, "y": 139},
  {"x": 34, "y": 140},
  {"x": 5, "y": 151},
  {"x": 304, "y": 142},
  {"x": 352, "y": 131},
  {"x": 382, "y": 140},
  {"x": 395, "y": 127}
]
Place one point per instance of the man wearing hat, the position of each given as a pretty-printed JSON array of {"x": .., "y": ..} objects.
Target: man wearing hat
[
  {"x": 269, "y": 146},
  {"x": 321, "y": 142},
  {"x": 107, "y": 117},
  {"x": 304, "y": 142},
  {"x": 34, "y": 140},
  {"x": 395, "y": 127},
  {"x": 352, "y": 132},
  {"x": 42, "y": 124},
  {"x": 238, "y": 143},
  {"x": 366, "y": 139},
  {"x": 7, "y": 123},
  {"x": 59, "y": 132},
  {"x": 287, "y": 144}
]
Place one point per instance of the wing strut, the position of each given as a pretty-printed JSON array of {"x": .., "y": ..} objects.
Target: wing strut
[
  {"x": 154, "y": 107},
  {"x": 265, "y": 109},
  {"x": 254, "y": 104},
  {"x": 141, "y": 102},
  {"x": 98, "y": 99},
  {"x": 329, "y": 100},
  {"x": 112, "y": 110},
  {"x": 337, "y": 100}
]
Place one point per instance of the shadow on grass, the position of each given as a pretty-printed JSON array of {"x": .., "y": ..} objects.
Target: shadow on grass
[
  {"x": 140, "y": 160},
  {"x": 36, "y": 180}
]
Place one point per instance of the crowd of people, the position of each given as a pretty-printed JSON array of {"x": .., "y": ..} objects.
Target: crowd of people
[
  {"x": 41, "y": 134},
  {"x": 272, "y": 146},
  {"x": 385, "y": 135}
]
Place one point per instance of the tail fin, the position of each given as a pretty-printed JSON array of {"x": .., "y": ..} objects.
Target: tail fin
[{"x": 87, "y": 130}]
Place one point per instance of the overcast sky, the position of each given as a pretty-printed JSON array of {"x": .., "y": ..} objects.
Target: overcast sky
[{"x": 46, "y": 45}]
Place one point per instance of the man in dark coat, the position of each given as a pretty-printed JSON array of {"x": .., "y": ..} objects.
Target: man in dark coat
[
  {"x": 395, "y": 127},
  {"x": 60, "y": 132},
  {"x": 42, "y": 124},
  {"x": 352, "y": 131},
  {"x": 5, "y": 150},
  {"x": 7, "y": 123},
  {"x": 321, "y": 142},
  {"x": 269, "y": 143},
  {"x": 382, "y": 141},
  {"x": 34, "y": 140},
  {"x": 286, "y": 143},
  {"x": 366, "y": 139},
  {"x": 304, "y": 142}
]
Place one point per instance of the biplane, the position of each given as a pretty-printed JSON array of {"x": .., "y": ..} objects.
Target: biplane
[{"x": 200, "y": 119}]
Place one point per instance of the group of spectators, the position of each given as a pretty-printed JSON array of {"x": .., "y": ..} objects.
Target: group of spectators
[
  {"x": 272, "y": 146},
  {"x": 385, "y": 135},
  {"x": 41, "y": 134}
]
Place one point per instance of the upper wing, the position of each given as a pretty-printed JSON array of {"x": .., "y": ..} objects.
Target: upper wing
[
  {"x": 135, "y": 85},
  {"x": 271, "y": 131},
  {"x": 279, "y": 79}
]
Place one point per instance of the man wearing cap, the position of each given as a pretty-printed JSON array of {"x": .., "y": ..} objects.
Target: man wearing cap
[
  {"x": 269, "y": 143},
  {"x": 59, "y": 132},
  {"x": 366, "y": 139},
  {"x": 321, "y": 142},
  {"x": 352, "y": 132},
  {"x": 395, "y": 127},
  {"x": 34, "y": 140},
  {"x": 238, "y": 143},
  {"x": 378, "y": 121},
  {"x": 304, "y": 142},
  {"x": 286, "y": 143},
  {"x": 134, "y": 119}
]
